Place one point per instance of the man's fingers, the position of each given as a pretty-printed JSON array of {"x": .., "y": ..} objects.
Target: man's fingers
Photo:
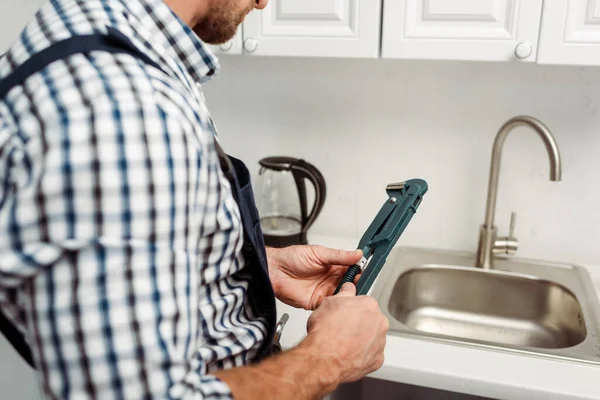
[
  {"x": 330, "y": 256},
  {"x": 347, "y": 290}
]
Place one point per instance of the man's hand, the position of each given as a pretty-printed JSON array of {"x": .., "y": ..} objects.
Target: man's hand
[
  {"x": 302, "y": 276},
  {"x": 345, "y": 342},
  {"x": 349, "y": 332}
]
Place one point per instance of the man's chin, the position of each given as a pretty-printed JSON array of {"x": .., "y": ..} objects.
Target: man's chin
[
  {"x": 220, "y": 30},
  {"x": 215, "y": 38},
  {"x": 216, "y": 42}
]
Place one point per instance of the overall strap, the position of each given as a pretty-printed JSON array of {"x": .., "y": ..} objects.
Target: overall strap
[
  {"x": 112, "y": 42},
  {"x": 16, "y": 339}
]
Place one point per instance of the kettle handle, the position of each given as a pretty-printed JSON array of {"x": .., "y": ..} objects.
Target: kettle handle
[{"x": 304, "y": 170}]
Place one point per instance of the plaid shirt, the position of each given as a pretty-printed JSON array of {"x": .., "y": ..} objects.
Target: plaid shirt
[{"x": 120, "y": 240}]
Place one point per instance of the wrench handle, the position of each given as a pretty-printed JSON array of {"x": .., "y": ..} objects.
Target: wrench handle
[{"x": 349, "y": 276}]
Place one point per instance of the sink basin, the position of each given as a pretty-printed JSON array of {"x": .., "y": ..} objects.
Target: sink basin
[
  {"x": 474, "y": 304},
  {"x": 521, "y": 305}
]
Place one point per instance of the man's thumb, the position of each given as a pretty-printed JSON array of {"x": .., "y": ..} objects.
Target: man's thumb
[{"x": 347, "y": 290}]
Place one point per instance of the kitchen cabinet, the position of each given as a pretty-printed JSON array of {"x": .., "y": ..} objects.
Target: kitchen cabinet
[
  {"x": 570, "y": 32},
  {"x": 543, "y": 31},
  {"x": 318, "y": 28},
  {"x": 487, "y": 30}
]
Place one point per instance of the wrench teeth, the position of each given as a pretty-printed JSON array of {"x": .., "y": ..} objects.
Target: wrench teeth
[{"x": 396, "y": 186}]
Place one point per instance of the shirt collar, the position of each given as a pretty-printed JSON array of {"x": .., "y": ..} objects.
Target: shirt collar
[{"x": 167, "y": 30}]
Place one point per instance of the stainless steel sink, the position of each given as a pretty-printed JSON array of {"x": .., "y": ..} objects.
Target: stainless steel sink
[
  {"x": 503, "y": 308},
  {"x": 487, "y": 299},
  {"x": 521, "y": 305}
]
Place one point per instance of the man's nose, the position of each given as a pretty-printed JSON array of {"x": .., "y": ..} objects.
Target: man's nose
[{"x": 260, "y": 4}]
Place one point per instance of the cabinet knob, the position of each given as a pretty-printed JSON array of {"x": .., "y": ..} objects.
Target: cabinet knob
[
  {"x": 250, "y": 45},
  {"x": 523, "y": 50},
  {"x": 226, "y": 46}
]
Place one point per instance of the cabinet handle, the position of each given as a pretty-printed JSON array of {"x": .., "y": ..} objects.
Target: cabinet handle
[
  {"x": 250, "y": 45},
  {"x": 226, "y": 46},
  {"x": 523, "y": 50}
]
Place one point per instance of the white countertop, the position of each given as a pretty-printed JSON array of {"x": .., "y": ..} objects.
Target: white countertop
[{"x": 483, "y": 372}]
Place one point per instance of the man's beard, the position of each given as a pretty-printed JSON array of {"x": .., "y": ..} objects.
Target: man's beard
[{"x": 222, "y": 22}]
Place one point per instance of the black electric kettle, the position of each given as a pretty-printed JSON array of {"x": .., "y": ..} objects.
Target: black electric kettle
[{"x": 281, "y": 199}]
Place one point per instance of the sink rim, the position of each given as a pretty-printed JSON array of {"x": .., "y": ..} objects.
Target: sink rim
[
  {"x": 482, "y": 271},
  {"x": 579, "y": 284}
]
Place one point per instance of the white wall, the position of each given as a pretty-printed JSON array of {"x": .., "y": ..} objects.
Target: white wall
[
  {"x": 13, "y": 18},
  {"x": 365, "y": 123}
]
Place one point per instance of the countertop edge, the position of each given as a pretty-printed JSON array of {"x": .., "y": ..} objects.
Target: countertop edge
[{"x": 488, "y": 373}]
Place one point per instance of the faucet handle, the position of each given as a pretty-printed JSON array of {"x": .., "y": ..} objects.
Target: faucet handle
[
  {"x": 513, "y": 220},
  {"x": 508, "y": 244}
]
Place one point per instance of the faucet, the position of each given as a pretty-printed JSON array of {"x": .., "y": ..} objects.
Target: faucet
[{"x": 489, "y": 243}]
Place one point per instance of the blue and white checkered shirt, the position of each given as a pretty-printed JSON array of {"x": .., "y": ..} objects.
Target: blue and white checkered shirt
[{"x": 120, "y": 240}]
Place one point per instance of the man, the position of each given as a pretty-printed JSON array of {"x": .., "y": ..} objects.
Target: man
[{"x": 130, "y": 259}]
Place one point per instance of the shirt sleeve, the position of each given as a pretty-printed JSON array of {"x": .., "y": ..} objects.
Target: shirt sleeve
[{"x": 93, "y": 239}]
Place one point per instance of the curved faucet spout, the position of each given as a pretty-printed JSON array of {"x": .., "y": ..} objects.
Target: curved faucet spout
[{"x": 488, "y": 230}]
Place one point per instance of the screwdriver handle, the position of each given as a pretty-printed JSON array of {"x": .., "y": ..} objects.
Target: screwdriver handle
[{"x": 348, "y": 277}]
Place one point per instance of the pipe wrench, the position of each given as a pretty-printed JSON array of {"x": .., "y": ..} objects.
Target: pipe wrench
[{"x": 378, "y": 240}]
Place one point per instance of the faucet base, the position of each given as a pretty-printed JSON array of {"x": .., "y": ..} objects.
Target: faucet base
[{"x": 487, "y": 237}]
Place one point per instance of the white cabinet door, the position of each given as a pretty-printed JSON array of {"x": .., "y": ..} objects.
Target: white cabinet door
[
  {"x": 234, "y": 46},
  {"x": 327, "y": 28},
  {"x": 570, "y": 32},
  {"x": 489, "y": 30}
]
